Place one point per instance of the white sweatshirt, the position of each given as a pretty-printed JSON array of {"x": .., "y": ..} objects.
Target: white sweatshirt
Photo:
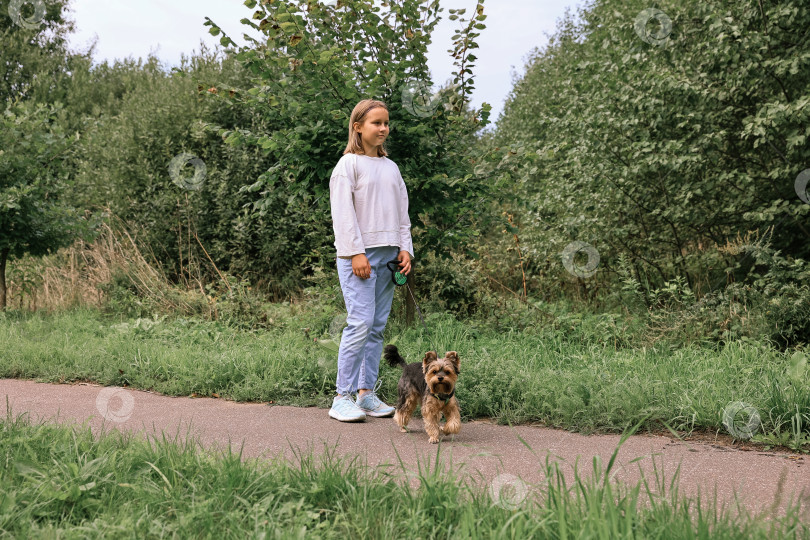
[{"x": 369, "y": 209}]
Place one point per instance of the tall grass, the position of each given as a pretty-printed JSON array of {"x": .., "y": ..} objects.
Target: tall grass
[
  {"x": 58, "y": 481},
  {"x": 90, "y": 274}
]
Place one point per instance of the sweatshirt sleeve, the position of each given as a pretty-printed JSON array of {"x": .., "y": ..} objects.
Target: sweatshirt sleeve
[
  {"x": 405, "y": 240},
  {"x": 348, "y": 239}
]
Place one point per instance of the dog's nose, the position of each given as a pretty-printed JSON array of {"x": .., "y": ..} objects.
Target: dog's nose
[{"x": 441, "y": 379}]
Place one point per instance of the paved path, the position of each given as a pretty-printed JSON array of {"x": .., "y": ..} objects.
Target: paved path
[{"x": 486, "y": 451}]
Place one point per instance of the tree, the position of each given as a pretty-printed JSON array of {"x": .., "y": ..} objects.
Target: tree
[
  {"x": 663, "y": 132},
  {"x": 312, "y": 65},
  {"x": 33, "y": 50},
  {"x": 33, "y": 174},
  {"x": 318, "y": 61},
  {"x": 35, "y": 66}
]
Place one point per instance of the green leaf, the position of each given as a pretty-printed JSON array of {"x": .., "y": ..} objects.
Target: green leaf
[
  {"x": 288, "y": 27},
  {"x": 798, "y": 366}
]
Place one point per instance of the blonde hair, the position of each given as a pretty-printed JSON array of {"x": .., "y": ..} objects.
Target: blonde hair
[{"x": 359, "y": 113}]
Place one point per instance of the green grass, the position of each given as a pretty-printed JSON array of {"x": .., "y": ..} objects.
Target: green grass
[
  {"x": 64, "y": 482},
  {"x": 579, "y": 382}
]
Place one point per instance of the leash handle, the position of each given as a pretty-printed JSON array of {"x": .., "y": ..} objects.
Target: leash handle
[{"x": 397, "y": 277}]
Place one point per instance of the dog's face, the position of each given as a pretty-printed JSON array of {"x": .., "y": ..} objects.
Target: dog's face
[{"x": 441, "y": 374}]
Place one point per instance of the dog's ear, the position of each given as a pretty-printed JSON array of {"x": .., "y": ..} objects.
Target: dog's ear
[
  {"x": 454, "y": 359},
  {"x": 430, "y": 356}
]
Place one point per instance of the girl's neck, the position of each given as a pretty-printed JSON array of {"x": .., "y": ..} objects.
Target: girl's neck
[{"x": 370, "y": 150}]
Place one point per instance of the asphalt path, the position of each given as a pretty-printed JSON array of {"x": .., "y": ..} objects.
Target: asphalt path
[{"x": 493, "y": 455}]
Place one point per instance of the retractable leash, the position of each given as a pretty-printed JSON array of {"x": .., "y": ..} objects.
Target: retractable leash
[
  {"x": 401, "y": 279},
  {"x": 397, "y": 277}
]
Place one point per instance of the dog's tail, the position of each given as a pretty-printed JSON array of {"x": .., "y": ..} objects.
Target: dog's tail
[{"x": 392, "y": 355}]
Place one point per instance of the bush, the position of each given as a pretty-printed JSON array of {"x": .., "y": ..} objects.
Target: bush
[{"x": 772, "y": 301}]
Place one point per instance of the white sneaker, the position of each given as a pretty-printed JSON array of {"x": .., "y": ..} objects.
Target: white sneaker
[
  {"x": 370, "y": 404},
  {"x": 345, "y": 409}
]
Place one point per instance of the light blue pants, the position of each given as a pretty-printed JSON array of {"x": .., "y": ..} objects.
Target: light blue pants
[{"x": 368, "y": 303}]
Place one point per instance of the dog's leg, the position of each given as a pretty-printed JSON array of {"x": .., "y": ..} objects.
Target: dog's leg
[
  {"x": 453, "y": 416},
  {"x": 430, "y": 415},
  {"x": 404, "y": 411}
]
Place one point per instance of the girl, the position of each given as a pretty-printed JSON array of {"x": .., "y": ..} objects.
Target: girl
[{"x": 370, "y": 218}]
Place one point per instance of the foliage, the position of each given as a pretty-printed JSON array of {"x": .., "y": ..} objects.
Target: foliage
[
  {"x": 148, "y": 118},
  {"x": 34, "y": 218},
  {"x": 313, "y": 64},
  {"x": 785, "y": 293},
  {"x": 34, "y": 58},
  {"x": 587, "y": 149},
  {"x": 658, "y": 151},
  {"x": 772, "y": 302}
]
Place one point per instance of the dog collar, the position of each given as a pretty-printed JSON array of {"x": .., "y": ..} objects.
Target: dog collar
[{"x": 446, "y": 397}]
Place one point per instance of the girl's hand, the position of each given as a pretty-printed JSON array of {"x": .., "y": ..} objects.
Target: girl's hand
[
  {"x": 360, "y": 266},
  {"x": 405, "y": 262}
]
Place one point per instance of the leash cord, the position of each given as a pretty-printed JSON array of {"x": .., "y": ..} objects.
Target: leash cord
[{"x": 419, "y": 311}]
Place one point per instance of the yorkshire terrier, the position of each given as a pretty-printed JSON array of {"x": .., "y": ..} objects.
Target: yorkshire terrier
[{"x": 431, "y": 382}]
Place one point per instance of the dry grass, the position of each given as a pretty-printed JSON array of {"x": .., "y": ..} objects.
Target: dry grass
[{"x": 78, "y": 276}]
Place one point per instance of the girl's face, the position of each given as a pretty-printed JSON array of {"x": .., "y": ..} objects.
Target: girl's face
[{"x": 374, "y": 129}]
